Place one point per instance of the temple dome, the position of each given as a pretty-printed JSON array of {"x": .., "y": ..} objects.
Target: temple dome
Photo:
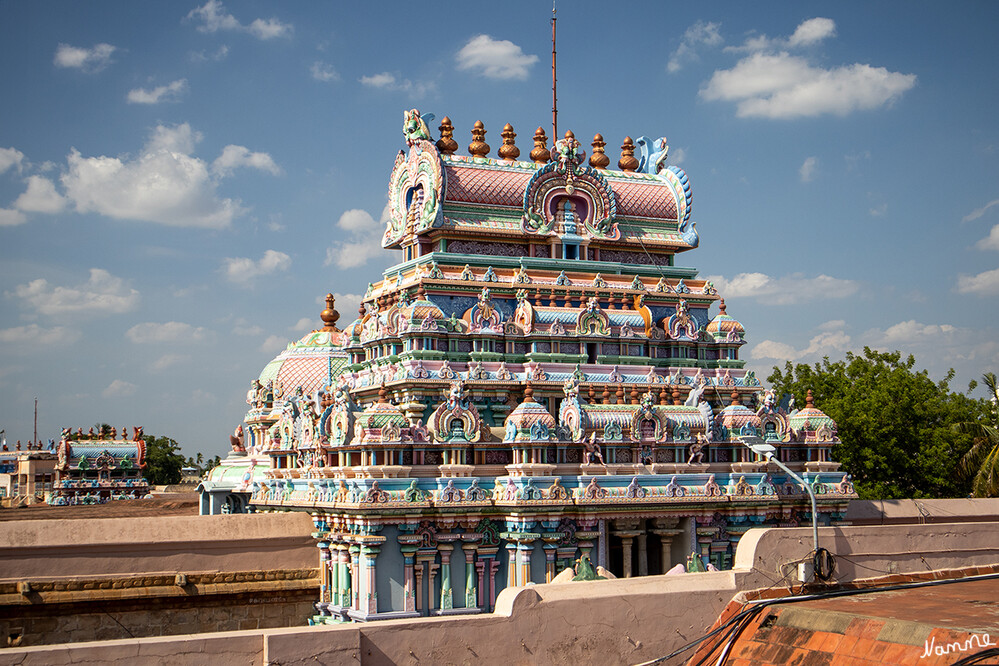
[
  {"x": 312, "y": 362},
  {"x": 724, "y": 325},
  {"x": 810, "y": 418},
  {"x": 738, "y": 419},
  {"x": 529, "y": 422}
]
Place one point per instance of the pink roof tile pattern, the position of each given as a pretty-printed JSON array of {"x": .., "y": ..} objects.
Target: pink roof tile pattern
[{"x": 495, "y": 187}]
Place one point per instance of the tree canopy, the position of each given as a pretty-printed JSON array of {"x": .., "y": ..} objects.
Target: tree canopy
[
  {"x": 982, "y": 461},
  {"x": 896, "y": 425},
  {"x": 163, "y": 461}
]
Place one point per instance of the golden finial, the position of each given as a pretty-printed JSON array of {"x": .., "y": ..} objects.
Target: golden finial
[
  {"x": 528, "y": 392},
  {"x": 478, "y": 147},
  {"x": 599, "y": 159},
  {"x": 508, "y": 151},
  {"x": 809, "y": 401},
  {"x": 735, "y": 397},
  {"x": 540, "y": 153},
  {"x": 627, "y": 162},
  {"x": 329, "y": 315},
  {"x": 447, "y": 145},
  {"x": 721, "y": 307},
  {"x": 382, "y": 394}
]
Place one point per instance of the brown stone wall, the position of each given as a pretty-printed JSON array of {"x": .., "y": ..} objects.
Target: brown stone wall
[{"x": 106, "y": 609}]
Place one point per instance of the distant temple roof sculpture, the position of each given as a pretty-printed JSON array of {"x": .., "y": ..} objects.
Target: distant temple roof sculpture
[
  {"x": 94, "y": 468},
  {"x": 536, "y": 381}
]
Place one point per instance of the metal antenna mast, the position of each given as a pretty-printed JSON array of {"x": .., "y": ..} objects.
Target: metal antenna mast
[{"x": 554, "y": 80}]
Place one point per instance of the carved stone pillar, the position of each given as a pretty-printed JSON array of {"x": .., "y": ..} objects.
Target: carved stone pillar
[
  {"x": 419, "y": 586},
  {"x": 511, "y": 566},
  {"x": 324, "y": 572},
  {"x": 471, "y": 596},
  {"x": 355, "y": 580},
  {"x": 666, "y": 537},
  {"x": 409, "y": 583},
  {"x": 643, "y": 554},
  {"x": 369, "y": 603},
  {"x": 447, "y": 597}
]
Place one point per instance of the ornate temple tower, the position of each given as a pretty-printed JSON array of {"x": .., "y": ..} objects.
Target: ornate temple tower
[{"x": 537, "y": 381}]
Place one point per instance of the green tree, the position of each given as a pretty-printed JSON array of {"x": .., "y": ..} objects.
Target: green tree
[
  {"x": 981, "y": 462},
  {"x": 163, "y": 461},
  {"x": 895, "y": 424}
]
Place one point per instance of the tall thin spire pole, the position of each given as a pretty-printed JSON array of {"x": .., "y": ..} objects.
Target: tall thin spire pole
[
  {"x": 36, "y": 421},
  {"x": 554, "y": 80}
]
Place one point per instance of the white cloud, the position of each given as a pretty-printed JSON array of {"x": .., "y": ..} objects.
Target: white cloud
[
  {"x": 322, "y": 71},
  {"x": 495, "y": 58},
  {"x": 990, "y": 242},
  {"x": 788, "y": 290},
  {"x": 10, "y": 157},
  {"x": 878, "y": 211},
  {"x": 822, "y": 344},
  {"x": 171, "y": 92},
  {"x": 347, "y": 305},
  {"x": 213, "y": 17},
  {"x": 807, "y": 170},
  {"x": 678, "y": 156},
  {"x": 983, "y": 284},
  {"x": 812, "y": 31},
  {"x": 233, "y": 157},
  {"x": 167, "y": 361},
  {"x": 363, "y": 242},
  {"x": 40, "y": 197},
  {"x": 912, "y": 331},
  {"x": 388, "y": 81},
  {"x": 699, "y": 34},
  {"x": 781, "y": 86},
  {"x": 973, "y": 215},
  {"x": 242, "y": 270},
  {"x": 274, "y": 343},
  {"x": 119, "y": 388},
  {"x": 89, "y": 60},
  {"x": 165, "y": 184},
  {"x": 204, "y": 56},
  {"x": 304, "y": 324},
  {"x": 36, "y": 335},
  {"x": 11, "y": 218},
  {"x": 170, "y": 331},
  {"x": 101, "y": 293}
]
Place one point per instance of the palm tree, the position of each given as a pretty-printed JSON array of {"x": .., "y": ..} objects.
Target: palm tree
[{"x": 982, "y": 459}]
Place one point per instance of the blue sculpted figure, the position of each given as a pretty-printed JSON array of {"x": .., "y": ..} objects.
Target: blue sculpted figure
[{"x": 651, "y": 154}]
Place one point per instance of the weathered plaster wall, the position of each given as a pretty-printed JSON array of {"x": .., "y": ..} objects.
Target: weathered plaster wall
[{"x": 621, "y": 621}]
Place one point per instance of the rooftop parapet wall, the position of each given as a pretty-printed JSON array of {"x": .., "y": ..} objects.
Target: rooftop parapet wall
[
  {"x": 624, "y": 620},
  {"x": 49, "y": 549}
]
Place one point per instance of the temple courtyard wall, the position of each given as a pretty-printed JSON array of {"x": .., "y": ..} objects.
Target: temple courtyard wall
[
  {"x": 84, "y": 580},
  {"x": 621, "y": 621}
]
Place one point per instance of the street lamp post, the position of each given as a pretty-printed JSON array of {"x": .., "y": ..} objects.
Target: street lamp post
[{"x": 762, "y": 448}]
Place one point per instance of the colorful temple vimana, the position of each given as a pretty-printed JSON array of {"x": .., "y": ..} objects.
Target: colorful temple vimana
[{"x": 538, "y": 381}]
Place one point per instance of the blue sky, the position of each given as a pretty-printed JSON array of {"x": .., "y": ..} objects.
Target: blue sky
[{"x": 180, "y": 185}]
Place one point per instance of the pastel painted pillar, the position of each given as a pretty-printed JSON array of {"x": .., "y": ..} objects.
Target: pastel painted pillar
[
  {"x": 324, "y": 571},
  {"x": 471, "y": 596},
  {"x": 409, "y": 587},
  {"x": 487, "y": 579},
  {"x": 334, "y": 573},
  {"x": 355, "y": 579},
  {"x": 626, "y": 554},
  {"x": 345, "y": 582},
  {"x": 480, "y": 570},
  {"x": 550, "y": 551},
  {"x": 433, "y": 575},
  {"x": 447, "y": 597},
  {"x": 511, "y": 566},
  {"x": 420, "y": 567},
  {"x": 494, "y": 566},
  {"x": 643, "y": 555},
  {"x": 524, "y": 550},
  {"x": 370, "y": 600}
]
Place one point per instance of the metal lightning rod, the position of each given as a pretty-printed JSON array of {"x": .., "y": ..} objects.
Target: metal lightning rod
[{"x": 554, "y": 80}]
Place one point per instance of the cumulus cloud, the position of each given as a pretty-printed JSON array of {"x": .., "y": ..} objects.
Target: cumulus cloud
[
  {"x": 170, "y": 331},
  {"x": 363, "y": 239},
  {"x": 101, "y": 293},
  {"x": 495, "y": 58},
  {"x": 912, "y": 331},
  {"x": 823, "y": 344},
  {"x": 807, "y": 170},
  {"x": 388, "y": 81},
  {"x": 878, "y": 211},
  {"x": 304, "y": 324},
  {"x": 203, "y": 56},
  {"x": 119, "y": 388},
  {"x": 322, "y": 71},
  {"x": 37, "y": 335},
  {"x": 274, "y": 343},
  {"x": 89, "y": 60},
  {"x": 40, "y": 197},
  {"x": 973, "y": 215},
  {"x": 165, "y": 184},
  {"x": 788, "y": 290},
  {"x": 698, "y": 35},
  {"x": 10, "y": 157},
  {"x": 11, "y": 218},
  {"x": 812, "y": 31},
  {"x": 990, "y": 242},
  {"x": 171, "y": 92},
  {"x": 214, "y": 17},
  {"x": 781, "y": 86},
  {"x": 233, "y": 157},
  {"x": 167, "y": 361},
  {"x": 347, "y": 305},
  {"x": 243, "y": 270},
  {"x": 983, "y": 284}
]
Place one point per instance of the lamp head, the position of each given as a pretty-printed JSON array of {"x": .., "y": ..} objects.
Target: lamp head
[{"x": 758, "y": 445}]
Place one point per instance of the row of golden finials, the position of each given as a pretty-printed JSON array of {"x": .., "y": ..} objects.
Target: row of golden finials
[{"x": 540, "y": 154}]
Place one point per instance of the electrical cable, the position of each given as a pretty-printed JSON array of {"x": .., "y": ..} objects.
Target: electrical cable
[{"x": 977, "y": 657}]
